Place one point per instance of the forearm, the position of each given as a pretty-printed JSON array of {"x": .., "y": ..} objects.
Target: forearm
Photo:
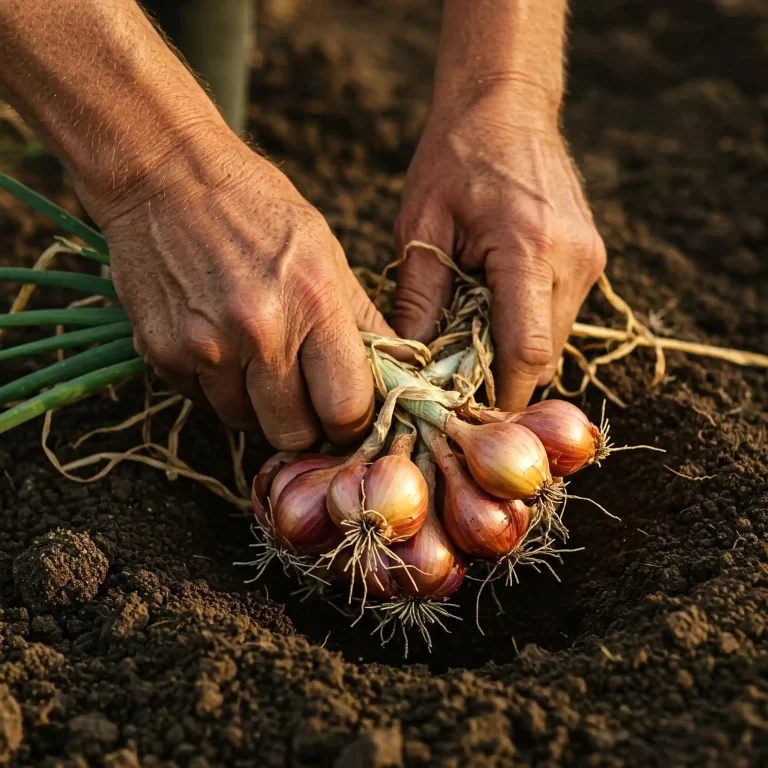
[
  {"x": 517, "y": 45},
  {"x": 101, "y": 87}
]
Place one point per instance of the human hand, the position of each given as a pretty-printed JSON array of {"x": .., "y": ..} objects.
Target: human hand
[
  {"x": 492, "y": 184},
  {"x": 240, "y": 295}
]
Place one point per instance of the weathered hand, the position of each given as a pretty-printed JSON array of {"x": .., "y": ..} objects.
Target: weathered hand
[
  {"x": 240, "y": 294},
  {"x": 493, "y": 185}
]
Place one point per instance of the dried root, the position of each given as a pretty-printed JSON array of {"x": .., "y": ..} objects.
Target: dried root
[{"x": 409, "y": 613}]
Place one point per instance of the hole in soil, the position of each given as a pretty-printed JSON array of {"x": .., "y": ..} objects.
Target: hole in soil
[{"x": 538, "y": 610}]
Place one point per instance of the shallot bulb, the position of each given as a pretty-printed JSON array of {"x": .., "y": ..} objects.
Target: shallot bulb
[
  {"x": 428, "y": 569},
  {"x": 301, "y": 466},
  {"x": 300, "y": 516},
  {"x": 278, "y": 539},
  {"x": 276, "y": 473},
  {"x": 375, "y": 506},
  {"x": 568, "y": 436},
  {"x": 506, "y": 460},
  {"x": 389, "y": 496},
  {"x": 262, "y": 484},
  {"x": 477, "y": 522},
  {"x": 373, "y": 579},
  {"x": 431, "y": 566}
]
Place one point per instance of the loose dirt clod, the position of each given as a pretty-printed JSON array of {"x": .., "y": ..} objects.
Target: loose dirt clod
[{"x": 60, "y": 568}]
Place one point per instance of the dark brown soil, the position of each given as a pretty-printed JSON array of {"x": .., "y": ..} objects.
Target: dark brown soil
[{"x": 653, "y": 648}]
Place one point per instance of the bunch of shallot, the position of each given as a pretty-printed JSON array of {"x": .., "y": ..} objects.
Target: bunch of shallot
[
  {"x": 381, "y": 527},
  {"x": 371, "y": 522}
]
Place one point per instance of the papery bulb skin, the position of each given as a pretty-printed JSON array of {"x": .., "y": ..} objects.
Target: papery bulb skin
[
  {"x": 378, "y": 580},
  {"x": 345, "y": 494},
  {"x": 301, "y": 519},
  {"x": 300, "y": 466},
  {"x": 479, "y": 523},
  {"x": 262, "y": 483},
  {"x": 569, "y": 438},
  {"x": 433, "y": 560},
  {"x": 390, "y": 493},
  {"x": 454, "y": 579},
  {"x": 395, "y": 489},
  {"x": 507, "y": 460}
]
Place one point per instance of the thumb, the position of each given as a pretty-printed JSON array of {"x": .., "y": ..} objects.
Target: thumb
[
  {"x": 424, "y": 285},
  {"x": 367, "y": 316}
]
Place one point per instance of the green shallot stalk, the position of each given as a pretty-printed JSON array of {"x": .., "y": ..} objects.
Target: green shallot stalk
[
  {"x": 96, "y": 335},
  {"x": 78, "y": 365},
  {"x": 98, "y": 286},
  {"x": 56, "y": 214},
  {"x": 87, "y": 316},
  {"x": 64, "y": 394},
  {"x": 395, "y": 377}
]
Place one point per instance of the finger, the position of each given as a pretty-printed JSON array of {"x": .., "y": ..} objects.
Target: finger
[
  {"x": 570, "y": 291},
  {"x": 186, "y": 385},
  {"x": 280, "y": 400},
  {"x": 565, "y": 308},
  {"x": 338, "y": 377},
  {"x": 367, "y": 317},
  {"x": 522, "y": 325},
  {"x": 424, "y": 285},
  {"x": 225, "y": 390}
]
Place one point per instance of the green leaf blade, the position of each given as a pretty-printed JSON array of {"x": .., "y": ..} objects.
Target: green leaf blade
[
  {"x": 40, "y": 317},
  {"x": 65, "y": 394},
  {"x": 78, "y": 365},
  {"x": 89, "y": 284},
  {"x": 95, "y": 335},
  {"x": 56, "y": 214}
]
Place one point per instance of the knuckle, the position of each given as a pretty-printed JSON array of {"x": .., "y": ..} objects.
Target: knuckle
[
  {"x": 589, "y": 253},
  {"x": 318, "y": 295},
  {"x": 162, "y": 355},
  {"x": 533, "y": 353},
  {"x": 347, "y": 414},
  {"x": 412, "y": 299},
  {"x": 296, "y": 440},
  {"x": 544, "y": 243},
  {"x": 258, "y": 330},
  {"x": 366, "y": 315},
  {"x": 202, "y": 344},
  {"x": 420, "y": 220}
]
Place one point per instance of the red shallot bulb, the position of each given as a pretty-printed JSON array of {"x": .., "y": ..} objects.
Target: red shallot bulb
[
  {"x": 478, "y": 523},
  {"x": 262, "y": 484},
  {"x": 507, "y": 460},
  {"x": 389, "y": 496},
  {"x": 430, "y": 565},
  {"x": 300, "y": 466},
  {"x": 365, "y": 580},
  {"x": 569, "y": 437},
  {"x": 301, "y": 519}
]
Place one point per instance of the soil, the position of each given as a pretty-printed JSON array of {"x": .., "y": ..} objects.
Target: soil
[{"x": 127, "y": 636}]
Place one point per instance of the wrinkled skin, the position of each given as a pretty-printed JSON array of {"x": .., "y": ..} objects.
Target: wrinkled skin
[
  {"x": 240, "y": 295},
  {"x": 493, "y": 185}
]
